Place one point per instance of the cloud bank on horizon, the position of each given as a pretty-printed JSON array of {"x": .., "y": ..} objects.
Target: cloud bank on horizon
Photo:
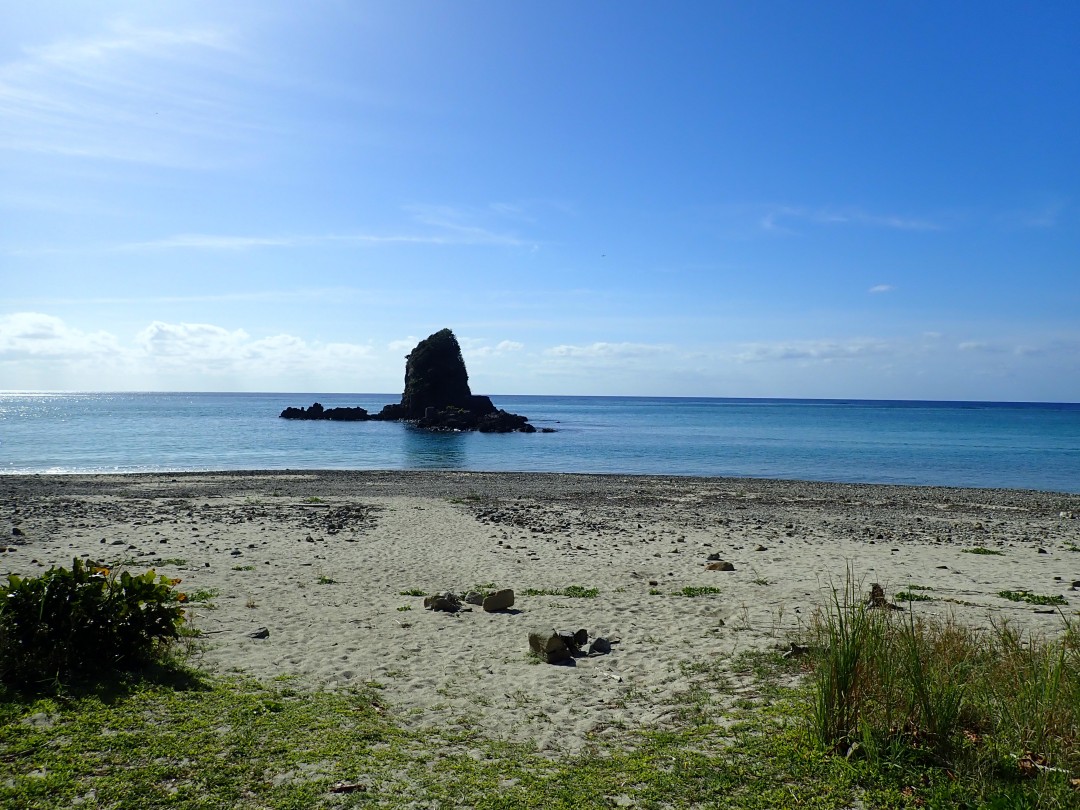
[{"x": 838, "y": 200}]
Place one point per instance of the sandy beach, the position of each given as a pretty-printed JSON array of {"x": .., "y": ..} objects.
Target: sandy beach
[{"x": 325, "y": 562}]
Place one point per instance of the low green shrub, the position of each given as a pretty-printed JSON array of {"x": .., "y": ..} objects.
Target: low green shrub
[{"x": 84, "y": 622}]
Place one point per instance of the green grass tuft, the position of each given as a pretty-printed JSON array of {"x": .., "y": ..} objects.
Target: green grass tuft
[
  {"x": 1032, "y": 598},
  {"x": 699, "y": 590},
  {"x": 571, "y": 592}
]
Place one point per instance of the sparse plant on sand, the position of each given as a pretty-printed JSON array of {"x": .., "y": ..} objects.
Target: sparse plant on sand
[
  {"x": 1033, "y": 598},
  {"x": 571, "y": 592},
  {"x": 698, "y": 590}
]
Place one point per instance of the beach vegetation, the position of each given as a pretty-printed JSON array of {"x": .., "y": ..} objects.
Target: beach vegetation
[
  {"x": 243, "y": 568},
  {"x": 325, "y": 580},
  {"x": 983, "y": 550},
  {"x": 698, "y": 590},
  {"x": 571, "y": 592},
  {"x": 1033, "y": 598},
  {"x": 913, "y": 596},
  {"x": 203, "y": 596},
  {"x": 875, "y": 708},
  {"x": 993, "y": 710},
  {"x": 83, "y": 622},
  {"x": 413, "y": 592},
  {"x": 178, "y": 562}
]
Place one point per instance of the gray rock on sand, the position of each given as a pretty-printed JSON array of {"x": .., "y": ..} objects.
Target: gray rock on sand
[
  {"x": 473, "y": 598},
  {"x": 447, "y": 602},
  {"x": 499, "y": 600},
  {"x": 599, "y": 646},
  {"x": 720, "y": 566},
  {"x": 877, "y": 598},
  {"x": 549, "y": 645}
]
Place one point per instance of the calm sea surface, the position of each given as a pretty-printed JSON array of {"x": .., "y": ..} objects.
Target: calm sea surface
[{"x": 1026, "y": 446}]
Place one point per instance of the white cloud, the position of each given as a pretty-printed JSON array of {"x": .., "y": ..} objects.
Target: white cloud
[
  {"x": 188, "y": 341},
  {"x": 881, "y": 288},
  {"x": 178, "y": 354},
  {"x": 29, "y": 335},
  {"x": 474, "y": 348},
  {"x": 981, "y": 346},
  {"x": 823, "y": 350},
  {"x": 603, "y": 350}
]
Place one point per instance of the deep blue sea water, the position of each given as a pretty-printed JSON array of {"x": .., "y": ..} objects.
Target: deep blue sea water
[{"x": 1013, "y": 445}]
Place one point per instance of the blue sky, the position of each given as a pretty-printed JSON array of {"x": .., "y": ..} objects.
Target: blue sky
[{"x": 789, "y": 199}]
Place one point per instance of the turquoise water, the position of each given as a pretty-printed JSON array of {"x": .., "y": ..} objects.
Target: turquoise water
[{"x": 1026, "y": 446}]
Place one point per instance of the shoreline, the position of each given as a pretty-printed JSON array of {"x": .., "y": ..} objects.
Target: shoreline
[
  {"x": 324, "y": 561},
  {"x": 452, "y": 480}
]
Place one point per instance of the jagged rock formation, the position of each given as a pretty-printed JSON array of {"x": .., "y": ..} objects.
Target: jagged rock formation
[
  {"x": 436, "y": 395},
  {"x": 317, "y": 411}
]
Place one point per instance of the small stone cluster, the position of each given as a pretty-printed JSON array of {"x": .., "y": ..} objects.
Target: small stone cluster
[
  {"x": 493, "y": 602},
  {"x": 558, "y": 646}
]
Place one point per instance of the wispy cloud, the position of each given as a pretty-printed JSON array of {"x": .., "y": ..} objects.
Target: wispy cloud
[
  {"x": 250, "y": 296},
  {"x": 427, "y": 229},
  {"x": 607, "y": 351},
  {"x": 878, "y": 289},
  {"x": 131, "y": 94},
  {"x": 820, "y": 350},
  {"x": 780, "y": 218}
]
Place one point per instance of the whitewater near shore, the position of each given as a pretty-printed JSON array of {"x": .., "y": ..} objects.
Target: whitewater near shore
[{"x": 329, "y": 565}]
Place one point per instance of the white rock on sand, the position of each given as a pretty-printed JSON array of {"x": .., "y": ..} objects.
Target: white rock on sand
[{"x": 321, "y": 560}]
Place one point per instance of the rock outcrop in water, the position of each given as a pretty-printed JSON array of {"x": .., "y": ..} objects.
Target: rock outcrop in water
[{"x": 436, "y": 396}]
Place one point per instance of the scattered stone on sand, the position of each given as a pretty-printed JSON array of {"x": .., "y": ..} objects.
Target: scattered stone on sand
[
  {"x": 599, "y": 646},
  {"x": 722, "y": 565},
  {"x": 550, "y": 646},
  {"x": 877, "y": 598},
  {"x": 556, "y": 646},
  {"x": 262, "y": 632},
  {"x": 499, "y": 600},
  {"x": 447, "y": 602}
]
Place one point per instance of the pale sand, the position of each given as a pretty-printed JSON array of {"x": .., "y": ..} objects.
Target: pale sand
[{"x": 268, "y": 543}]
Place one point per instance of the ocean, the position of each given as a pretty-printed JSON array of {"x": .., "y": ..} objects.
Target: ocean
[{"x": 961, "y": 444}]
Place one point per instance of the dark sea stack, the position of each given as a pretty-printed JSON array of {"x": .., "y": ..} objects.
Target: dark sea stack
[
  {"x": 435, "y": 376},
  {"x": 436, "y": 396}
]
